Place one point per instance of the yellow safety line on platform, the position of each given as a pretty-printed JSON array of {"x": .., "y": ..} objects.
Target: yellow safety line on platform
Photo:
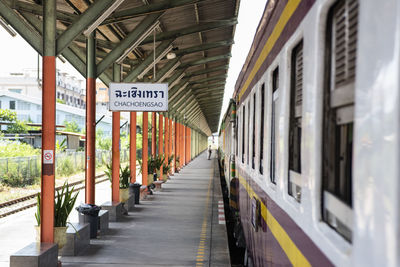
[
  {"x": 203, "y": 234},
  {"x": 292, "y": 251},
  {"x": 287, "y": 13}
]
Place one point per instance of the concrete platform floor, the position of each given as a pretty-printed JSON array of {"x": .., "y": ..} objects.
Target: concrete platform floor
[
  {"x": 175, "y": 227},
  {"x": 178, "y": 226}
]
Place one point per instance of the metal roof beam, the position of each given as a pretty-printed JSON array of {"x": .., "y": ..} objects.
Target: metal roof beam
[
  {"x": 38, "y": 10},
  {"x": 209, "y": 70},
  {"x": 213, "y": 78},
  {"x": 177, "y": 92},
  {"x": 168, "y": 68},
  {"x": 119, "y": 16},
  {"x": 208, "y": 90},
  {"x": 21, "y": 27},
  {"x": 73, "y": 54},
  {"x": 199, "y": 86},
  {"x": 127, "y": 42},
  {"x": 205, "y": 60},
  {"x": 133, "y": 75},
  {"x": 91, "y": 14},
  {"x": 190, "y": 30},
  {"x": 203, "y": 47}
]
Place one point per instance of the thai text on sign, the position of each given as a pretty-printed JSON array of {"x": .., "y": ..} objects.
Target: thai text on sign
[{"x": 138, "y": 96}]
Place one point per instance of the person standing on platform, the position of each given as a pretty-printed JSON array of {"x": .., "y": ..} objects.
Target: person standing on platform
[{"x": 209, "y": 152}]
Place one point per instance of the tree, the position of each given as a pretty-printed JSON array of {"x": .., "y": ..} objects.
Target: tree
[
  {"x": 71, "y": 126},
  {"x": 17, "y": 126}
]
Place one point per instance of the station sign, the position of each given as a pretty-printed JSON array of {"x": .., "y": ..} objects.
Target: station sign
[{"x": 138, "y": 96}]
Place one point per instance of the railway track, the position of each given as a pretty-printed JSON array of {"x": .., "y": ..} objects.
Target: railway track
[{"x": 26, "y": 202}]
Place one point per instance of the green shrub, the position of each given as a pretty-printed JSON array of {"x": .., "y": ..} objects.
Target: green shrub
[
  {"x": 65, "y": 166},
  {"x": 16, "y": 149}
]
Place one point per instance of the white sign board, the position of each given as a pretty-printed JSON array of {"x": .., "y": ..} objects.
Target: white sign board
[
  {"x": 48, "y": 156},
  {"x": 138, "y": 96}
]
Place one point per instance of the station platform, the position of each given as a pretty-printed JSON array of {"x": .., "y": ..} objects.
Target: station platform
[{"x": 178, "y": 226}]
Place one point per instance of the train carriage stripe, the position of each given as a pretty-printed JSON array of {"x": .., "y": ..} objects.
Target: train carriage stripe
[
  {"x": 290, "y": 8},
  {"x": 289, "y": 247}
]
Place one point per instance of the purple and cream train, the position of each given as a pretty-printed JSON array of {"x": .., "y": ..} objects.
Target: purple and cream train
[{"x": 310, "y": 142}]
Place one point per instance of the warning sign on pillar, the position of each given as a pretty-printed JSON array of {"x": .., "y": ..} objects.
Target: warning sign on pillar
[{"x": 48, "y": 156}]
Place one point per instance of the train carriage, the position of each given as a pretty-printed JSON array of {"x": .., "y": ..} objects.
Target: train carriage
[{"x": 315, "y": 143}]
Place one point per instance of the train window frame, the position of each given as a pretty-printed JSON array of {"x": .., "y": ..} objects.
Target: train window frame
[
  {"x": 253, "y": 127},
  {"x": 243, "y": 132},
  {"x": 273, "y": 125},
  {"x": 295, "y": 120},
  {"x": 338, "y": 116},
  {"x": 248, "y": 133},
  {"x": 262, "y": 132}
]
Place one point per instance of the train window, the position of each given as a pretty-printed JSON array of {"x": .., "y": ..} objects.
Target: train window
[
  {"x": 243, "y": 130},
  {"x": 236, "y": 135},
  {"x": 341, "y": 50},
  {"x": 296, "y": 102},
  {"x": 248, "y": 132},
  {"x": 261, "y": 166},
  {"x": 275, "y": 91},
  {"x": 253, "y": 149}
]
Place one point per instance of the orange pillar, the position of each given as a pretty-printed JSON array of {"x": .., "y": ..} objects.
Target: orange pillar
[
  {"x": 160, "y": 140},
  {"x": 166, "y": 136},
  {"x": 176, "y": 151},
  {"x": 115, "y": 155},
  {"x": 145, "y": 147},
  {"x": 171, "y": 141},
  {"x": 90, "y": 144},
  {"x": 48, "y": 119},
  {"x": 187, "y": 145},
  {"x": 182, "y": 145},
  {"x": 153, "y": 133},
  {"x": 132, "y": 147}
]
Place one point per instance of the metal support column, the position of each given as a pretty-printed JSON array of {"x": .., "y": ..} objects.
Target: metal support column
[
  {"x": 145, "y": 146},
  {"x": 176, "y": 149},
  {"x": 48, "y": 119},
  {"x": 116, "y": 116},
  {"x": 166, "y": 140},
  {"x": 90, "y": 144},
  {"x": 170, "y": 142},
  {"x": 153, "y": 133},
  {"x": 160, "y": 140},
  {"x": 132, "y": 146}
]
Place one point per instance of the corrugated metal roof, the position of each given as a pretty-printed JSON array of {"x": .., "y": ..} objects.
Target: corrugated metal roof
[{"x": 187, "y": 23}]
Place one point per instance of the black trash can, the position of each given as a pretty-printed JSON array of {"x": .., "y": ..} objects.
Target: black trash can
[
  {"x": 135, "y": 189},
  {"x": 91, "y": 213}
]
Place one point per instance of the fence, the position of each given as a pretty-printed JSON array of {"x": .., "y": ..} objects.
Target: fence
[{"x": 20, "y": 171}]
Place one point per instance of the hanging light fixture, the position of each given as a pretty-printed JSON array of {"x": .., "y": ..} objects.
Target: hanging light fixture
[{"x": 172, "y": 55}]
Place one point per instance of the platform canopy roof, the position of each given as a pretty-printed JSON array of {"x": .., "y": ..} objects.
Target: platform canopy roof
[{"x": 199, "y": 32}]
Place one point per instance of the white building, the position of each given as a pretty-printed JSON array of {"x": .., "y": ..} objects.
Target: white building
[
  {"x": 30, "y": 109},
  {"x": 69, "y": 90}
]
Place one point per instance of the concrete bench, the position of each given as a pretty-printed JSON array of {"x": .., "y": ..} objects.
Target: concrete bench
[
  {"x": 114, "y": 210},
  {"x": 78, "y": 239},
  {"x": 103, "y": 221},
  {"x": 36, "y": 255},
  {"x": 130, "y": 203},
  {"x": 143, "y": 192},
  {"x": 158, "y": 185}
]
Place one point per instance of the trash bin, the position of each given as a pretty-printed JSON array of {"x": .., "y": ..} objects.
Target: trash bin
[
  {"x": 135, "y": 189},
  {"x": 91, "y": 213}
]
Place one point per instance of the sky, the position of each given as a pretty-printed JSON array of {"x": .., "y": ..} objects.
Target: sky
[{"x": 16, "y": 54}]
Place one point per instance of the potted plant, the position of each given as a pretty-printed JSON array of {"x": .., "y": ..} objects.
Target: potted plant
[
  {"x": 158, "y": 162},
  {"x": 166, "y": 169},
  {"x": 177, "y": 163},
  {"x": 124, "y": 177},
  {"x": 63, "y": 205}
]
